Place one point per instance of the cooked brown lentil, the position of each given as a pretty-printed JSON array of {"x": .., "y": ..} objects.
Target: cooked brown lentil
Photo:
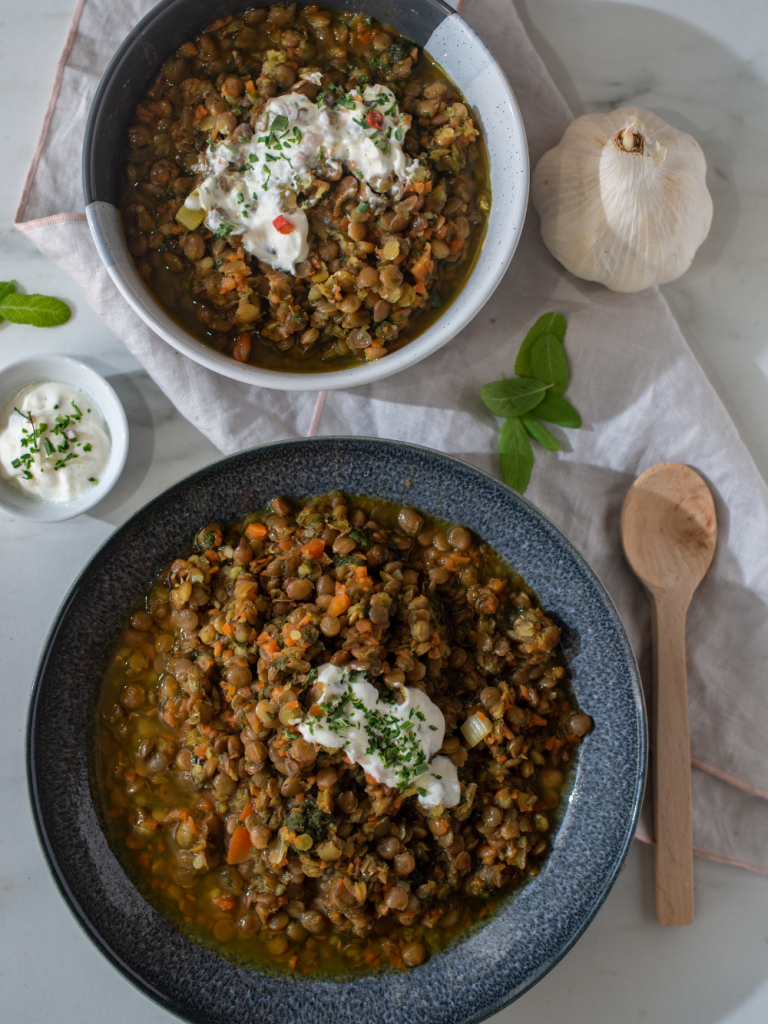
[
  {"x": 271, "y": 848},
  {"x": 376, "y": 276}
]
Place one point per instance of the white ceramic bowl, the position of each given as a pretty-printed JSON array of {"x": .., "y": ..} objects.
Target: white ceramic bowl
[
  {"x": 447, "y": 38},
  {"x": 14, "y": 377}
]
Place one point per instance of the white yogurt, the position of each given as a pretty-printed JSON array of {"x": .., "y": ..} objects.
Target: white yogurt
[
  {"x": 394, "y": 743},
  {"x": 54, "y": 443},
  {"x": 245, "y": 183}
]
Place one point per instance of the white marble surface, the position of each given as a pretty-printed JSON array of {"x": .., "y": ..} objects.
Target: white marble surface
[{"x": 703, "y": 65}]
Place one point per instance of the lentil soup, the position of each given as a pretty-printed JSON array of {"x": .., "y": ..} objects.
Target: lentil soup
[
  {"x": 304, "y": 189},
  {"x": 333, "y": 736}
]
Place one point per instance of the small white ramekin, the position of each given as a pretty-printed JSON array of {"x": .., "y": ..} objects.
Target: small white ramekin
[{"x": 14, "y": 377}]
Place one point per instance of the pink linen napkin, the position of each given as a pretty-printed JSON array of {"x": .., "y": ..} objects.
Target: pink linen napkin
[{"x": 643, "y": 396}]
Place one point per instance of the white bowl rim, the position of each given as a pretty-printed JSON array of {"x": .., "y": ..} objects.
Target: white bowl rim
[
  {"x": 105, "y": 225},
  {"x": 67, "y": 370}
]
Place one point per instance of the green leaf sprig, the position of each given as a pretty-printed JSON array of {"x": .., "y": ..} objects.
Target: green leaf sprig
[
  {"x": 534, "y": 395},
  {"x": 36, "y": 310}
]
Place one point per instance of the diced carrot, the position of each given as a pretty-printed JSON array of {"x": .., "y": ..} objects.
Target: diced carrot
[
  {"x": 263, "y": 637},
  {"x": 538, "y": 720},
  {"x": 201, "y": 112},
  {"x": 224, "y": 902},
  {"x": 420, "y": 288},
  {"x": 255, "y": 531},
  {"x": 228, "y": 629},
  {"x": 286, "y": 544},
  {"x": 228, "y": 283},
  {"x": 456, "y": 244},
  {"x": 339, "y": 604},
  {"x": 270, "y": 650},
  {"x": 242, "y": 349},
  {"x": 200, "y": 751},
  {"x": 240, "y": 846},
  {"x": 248, "y": 809},
  {"x": 313, "y": 548}
]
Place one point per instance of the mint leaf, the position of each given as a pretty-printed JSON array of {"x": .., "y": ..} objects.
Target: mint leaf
[
  {"x": 37, "y": 310},
  {"x": 513, "y": 397},
  {"x": 6, "y": 288},
  {"x": 515, "y": 454},
  {"x": 555, "y": 409},
  {"x": 548, "y": 362},
  {"x": 550, "y": 323},
  {"x": 540, "y": 433}
]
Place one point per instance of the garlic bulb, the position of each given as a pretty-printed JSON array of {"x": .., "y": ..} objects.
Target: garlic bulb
[{"x": 622, "y": 199}]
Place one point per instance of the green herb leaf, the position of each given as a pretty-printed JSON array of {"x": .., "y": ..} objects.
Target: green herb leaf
[
  {"x": 360, "y": 537},
  {"x": 555, "y": 409},
  {"x": 513, "y": 397},
  {"x": 550, "y": 323},
  {"x": 515, "y": 454},
  {"x": 37, "y": 310},
  {"x": 540, "y": 433},
  {"x": 279, "y": 124},
  {"x": 6, "y": 288},
  {"x": 548, "y": 362},
  {"x": 348, "y": 560}
]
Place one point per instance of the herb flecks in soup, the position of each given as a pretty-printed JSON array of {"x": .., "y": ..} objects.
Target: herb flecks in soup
[
  {"x": 304, "y": 189},
  {"x": 333, "y": 736}
]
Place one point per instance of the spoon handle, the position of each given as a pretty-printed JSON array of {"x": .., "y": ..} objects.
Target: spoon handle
[{"x": 672, "y": 761}]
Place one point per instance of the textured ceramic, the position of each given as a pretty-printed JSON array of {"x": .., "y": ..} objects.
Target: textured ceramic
[
  {"x": 14, "y": 377},
  {"x": 430, "y": 23},
  {"x": 498, "y": 962}
]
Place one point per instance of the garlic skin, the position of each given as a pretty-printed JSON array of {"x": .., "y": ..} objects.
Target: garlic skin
[{"x": 623, "y": 200}]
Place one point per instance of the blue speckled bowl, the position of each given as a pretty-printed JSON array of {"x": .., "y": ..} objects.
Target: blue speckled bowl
[{"x": 498, "y": 962}]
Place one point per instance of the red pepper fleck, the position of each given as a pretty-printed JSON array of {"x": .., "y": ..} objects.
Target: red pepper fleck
[
  {"x": 283, "y": 226},
  {"x": 375, "y": 120}
]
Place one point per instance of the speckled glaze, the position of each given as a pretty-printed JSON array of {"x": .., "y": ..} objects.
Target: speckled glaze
[{"x": 494, "y": 965}]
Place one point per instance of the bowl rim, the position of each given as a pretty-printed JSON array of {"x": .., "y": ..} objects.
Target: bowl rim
[
  {"x": 143, "y": 303},
  {"x": 29, "y": 755},
  {"x": 114, "y": 416}
]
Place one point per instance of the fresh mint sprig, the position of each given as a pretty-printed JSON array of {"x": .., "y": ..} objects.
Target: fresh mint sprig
[
  {"x": 533, "y": 396},
  {"x": 36, "y": 310}
]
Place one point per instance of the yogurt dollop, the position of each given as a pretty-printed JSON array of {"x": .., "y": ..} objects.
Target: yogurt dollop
[
  {"x": 246, "y": 188},
  {"x": 394, "y": 743},
  {"x": 54, "y": 442}
]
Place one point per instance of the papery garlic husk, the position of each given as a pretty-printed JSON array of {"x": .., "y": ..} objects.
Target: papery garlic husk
[{"x": 623, "y": 200}]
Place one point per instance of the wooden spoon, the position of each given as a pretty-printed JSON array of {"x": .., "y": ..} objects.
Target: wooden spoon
[{"x": 669, "y": 529}]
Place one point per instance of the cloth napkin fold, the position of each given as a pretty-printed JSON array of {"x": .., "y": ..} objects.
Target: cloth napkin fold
[{"x": 642, "y": 394}]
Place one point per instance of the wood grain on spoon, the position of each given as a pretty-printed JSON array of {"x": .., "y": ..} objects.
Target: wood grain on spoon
[{"x": 669, "y": 530}]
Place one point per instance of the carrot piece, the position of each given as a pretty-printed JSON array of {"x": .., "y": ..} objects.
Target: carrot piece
[
  {"x": 339, "y": 604},
  {"x": 224, "y": 902},
  {"x": 456, "y": 244},
  {"x": 240, "y": 846},
  {"x": 313, "y": 548},
  {"x": 227, "y": 284},
  {"x": 248, "y": 809},
  {"x": 256, "y": 531},
  {"x": 227, "y": 629},
  {"x": 201, "y": 112}
]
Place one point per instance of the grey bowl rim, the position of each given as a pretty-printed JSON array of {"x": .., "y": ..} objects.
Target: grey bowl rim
[{"x": 81, "y": 918}]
